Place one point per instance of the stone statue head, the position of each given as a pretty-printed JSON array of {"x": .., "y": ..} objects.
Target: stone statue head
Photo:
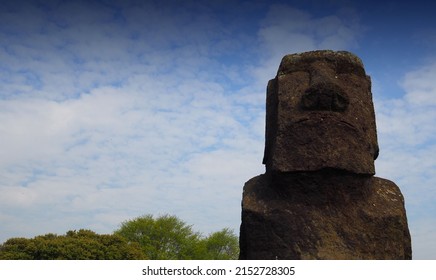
[{"x": 320, "y": 115}]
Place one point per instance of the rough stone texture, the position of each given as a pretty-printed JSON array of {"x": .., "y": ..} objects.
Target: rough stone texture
[
  {"x": 320, "y": 114},
  {"x": 323, "y": 215},
  {"x": 318, "y": 198}
]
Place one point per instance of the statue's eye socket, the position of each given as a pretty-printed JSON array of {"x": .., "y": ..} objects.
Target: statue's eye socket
[
  {"x": 339, "y": 102},
  {"x": 324, "y": 99}
]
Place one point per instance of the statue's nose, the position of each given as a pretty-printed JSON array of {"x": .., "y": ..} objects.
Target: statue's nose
[{"x": 325, "y": 97}]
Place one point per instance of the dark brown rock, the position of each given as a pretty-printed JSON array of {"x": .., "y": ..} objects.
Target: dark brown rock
[
  {"x": 320, "y": 115},
  {"x": 318, "y": 198},
  {"x": 323, "y": 215}
]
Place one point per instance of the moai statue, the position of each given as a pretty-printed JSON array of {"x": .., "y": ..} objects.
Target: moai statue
[{"x": 319, "y": 198}]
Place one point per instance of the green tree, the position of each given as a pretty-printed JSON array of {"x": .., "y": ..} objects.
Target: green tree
[
  {"x": 75, "y": 245},
  {"x": 163, "y": 238},
  {"x": 222, "y": 245},
  {"x": 169, "y": 238}
]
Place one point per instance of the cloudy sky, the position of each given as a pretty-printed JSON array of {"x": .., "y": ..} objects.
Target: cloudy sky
[{"x": 114, "y": 109}]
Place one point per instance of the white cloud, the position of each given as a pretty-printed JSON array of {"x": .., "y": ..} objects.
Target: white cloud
[
  {"x": 407, "y": 137},
  {"x": 423, "y": 234},
  {"x": 129, "y": 150},
  {"x": 287, "y": 30},
  {"x": 421, "y": 87}
]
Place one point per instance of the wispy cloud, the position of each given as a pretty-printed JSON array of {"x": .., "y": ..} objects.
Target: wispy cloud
[
  {"x": 110, "y": 112},
  {"x": 286, "y": 29},
  {"x": 407, "y": 137},
  {"x": 114, "y": 110}
]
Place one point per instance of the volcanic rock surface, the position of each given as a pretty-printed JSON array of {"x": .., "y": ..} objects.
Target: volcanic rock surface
[{"x": 318, "y": 198}]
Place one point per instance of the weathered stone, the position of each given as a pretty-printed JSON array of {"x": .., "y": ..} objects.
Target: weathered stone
[
  {"x": 318, "y": 198},
  {"x": 323, "y": 215},
  {"x": 320, "y": 115}
]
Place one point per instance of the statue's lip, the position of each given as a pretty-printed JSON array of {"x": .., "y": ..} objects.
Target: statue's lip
[
  {"x": 313, "y": 122},
  {"x": 316, "y": 120}
]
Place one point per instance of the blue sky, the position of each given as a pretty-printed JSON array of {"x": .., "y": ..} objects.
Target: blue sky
[{"x": 114, "y": 109}]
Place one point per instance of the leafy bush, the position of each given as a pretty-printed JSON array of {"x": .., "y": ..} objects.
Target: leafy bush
[
  {"x": 222, "y": 245},
  {"x": 169, "y": 238},
  {"x": 163, "y": 238},
  {"x": 75, "y": 245}
]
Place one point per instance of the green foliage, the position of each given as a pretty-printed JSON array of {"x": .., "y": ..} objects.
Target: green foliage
[
  {"x": 75, "y": 245},
  {"x": 164, "y": 238},
  {"x": 222, "y": 245},
  {"x": 169, "y": 238}
]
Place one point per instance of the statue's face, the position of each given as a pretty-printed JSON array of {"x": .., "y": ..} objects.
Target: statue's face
[{"x": 320, "y": 115}]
